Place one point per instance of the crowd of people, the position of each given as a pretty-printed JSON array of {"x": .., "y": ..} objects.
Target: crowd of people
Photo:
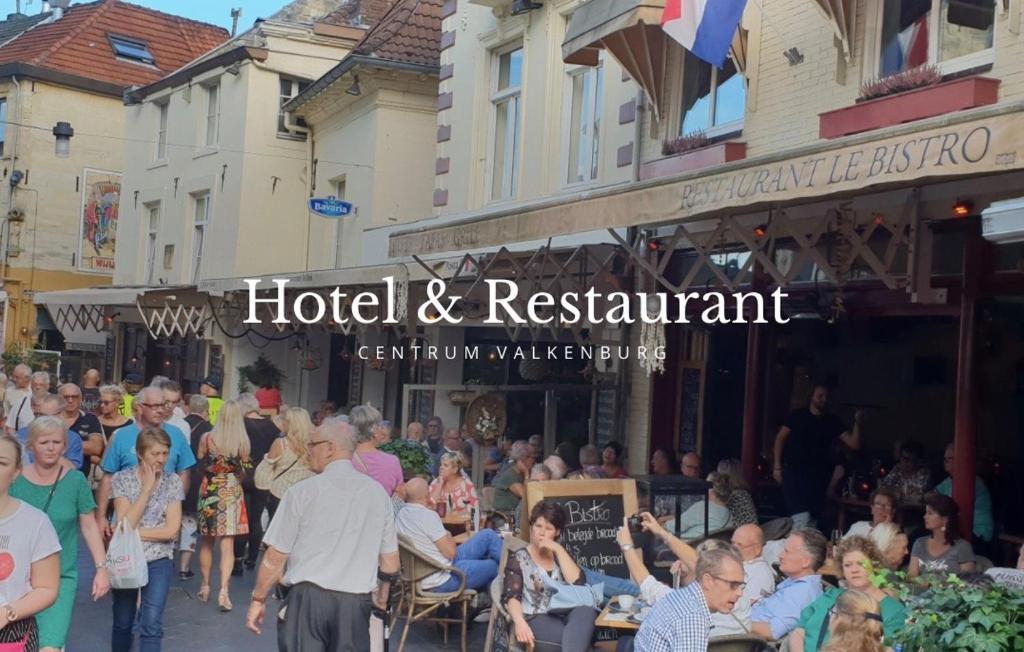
[{"x": 202, "y": 474}]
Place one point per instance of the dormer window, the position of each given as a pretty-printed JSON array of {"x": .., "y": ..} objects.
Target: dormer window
[{"x": 126, "y": 48}]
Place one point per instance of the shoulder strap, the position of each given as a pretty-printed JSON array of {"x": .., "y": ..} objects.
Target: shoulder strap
[
  {"x": 53, "y": 489},
  {"x": 17, "y": 417},
  {"x": 366, "y": 469}
]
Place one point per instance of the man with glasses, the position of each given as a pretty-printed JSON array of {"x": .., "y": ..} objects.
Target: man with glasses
[
  {"x": 435, "y": 428},
  {"x": 120, "y": 455},
  {"x": 775, "y": 616},
  {"x": 749, "y": 541},
  {"x": 50, "y": 405},
  {"x": 174, "y": 414},
  {"x": 86, "y": 425},
  {"x": 681, "y": 621},
  {"x": 335, "y": 551},
  {"x": 18, "y": 399}
]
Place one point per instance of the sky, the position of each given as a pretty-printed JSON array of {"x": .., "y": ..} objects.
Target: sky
[{"x": 217, "y": 12}]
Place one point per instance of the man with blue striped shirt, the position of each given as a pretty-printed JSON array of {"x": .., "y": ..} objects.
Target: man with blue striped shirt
[
  {"x": 777, "y": 615},
  {"x": 681, "y": 621}
]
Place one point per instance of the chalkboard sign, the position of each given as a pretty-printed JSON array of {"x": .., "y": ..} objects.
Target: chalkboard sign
[
  {"x": 594, "y": 510},
  {"x": 605, "y": 413},
  {"x": 691, "y": 406}
]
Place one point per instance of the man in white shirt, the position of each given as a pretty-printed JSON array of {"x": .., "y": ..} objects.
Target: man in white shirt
[
  {"x": 478, "y": 557},
  {"x": 749, "y": 540},
  {"x": 335, "y": 551},
  {"x": 18, "y": 399}
]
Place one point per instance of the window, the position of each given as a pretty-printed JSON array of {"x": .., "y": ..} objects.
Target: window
[
  {"x": 3, "y": 123},
  {"x": 153, "y": 211},
  {"x": 953, "y": 34},
  {"x": 289, "y": 89},
  {"x": 585, "y": 87},
  {"x": 507, "y": 108},
  {"x": 127, "y": 48},
  {"x": 201, "y": 219},
  {"x": 161, "y": 131},
  {"x": 212, "y": 114},
  {"x": 714, "y": 99},
  {"x": 338, "y": 190}
]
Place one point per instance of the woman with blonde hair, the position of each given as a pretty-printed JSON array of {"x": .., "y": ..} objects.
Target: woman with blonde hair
[
  {"x": 287, "y": 462},
  {"x": 451, "y": 487},
  {"x": 222, "y": 516},
  {"x": 856, "y": 624}
]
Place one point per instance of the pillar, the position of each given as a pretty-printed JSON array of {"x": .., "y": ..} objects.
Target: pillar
[
  {"x": 752, "y": 398},
  {"x": 964, "y": 445}
]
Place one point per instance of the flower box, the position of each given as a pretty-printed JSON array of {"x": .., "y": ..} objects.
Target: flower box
[
  {"x": 917, "y": 104},
  {"x": 715, "y": 154}
]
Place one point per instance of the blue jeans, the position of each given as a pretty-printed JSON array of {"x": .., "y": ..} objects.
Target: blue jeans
[
  {"x": 151, "y": 614},
  {"x": 613, "y": 586},
  {"x": 478, "y": 558}
]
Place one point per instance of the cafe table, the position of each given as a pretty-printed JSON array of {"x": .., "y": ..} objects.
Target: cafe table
[
  {"x": 456, "y": 522},
  {"x": 615, "y": 619}
]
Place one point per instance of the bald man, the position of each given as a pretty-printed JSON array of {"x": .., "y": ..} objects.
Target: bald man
[
  {"x": 91, "y": 390},
  {"x": 749, "y": 540},
  {"x": 478, "y": 557}
]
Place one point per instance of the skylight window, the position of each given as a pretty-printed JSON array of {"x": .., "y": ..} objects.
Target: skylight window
[{"x": 130, "y": 49}]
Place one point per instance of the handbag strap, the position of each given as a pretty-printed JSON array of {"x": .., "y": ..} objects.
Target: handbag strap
[
  {"x": 53, "y": 489},
  {"x": 366, "y": 469},
  {"x": 287, "y": 469}
]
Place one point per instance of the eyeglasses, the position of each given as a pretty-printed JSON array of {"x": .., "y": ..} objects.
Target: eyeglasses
[
  {"x": 153, "y": 406},
  {"x": 733, "y": 585},
  {"x": 102, "y": 402},
  {"x": 313, "y": 444}
]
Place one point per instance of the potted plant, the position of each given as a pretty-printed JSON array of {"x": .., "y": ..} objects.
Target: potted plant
[
  {"x": 261, "y": 373},
  {"x": 907, "y": 96},
  {"x": 692, "y": 151},
  {"x": 411, "y": 455},
  {"x": 951, "y": 614}
]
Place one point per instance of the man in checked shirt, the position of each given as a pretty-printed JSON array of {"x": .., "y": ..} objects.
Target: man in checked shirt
[{"x": 681, "y": 621}]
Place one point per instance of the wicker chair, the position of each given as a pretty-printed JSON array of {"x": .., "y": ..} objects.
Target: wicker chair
[
  {"x": 425, "y": 605},
  {"x": 498, "y": 611}
]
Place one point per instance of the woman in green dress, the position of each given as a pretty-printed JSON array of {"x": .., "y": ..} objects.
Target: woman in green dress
[{"x": 53, "y": 485}]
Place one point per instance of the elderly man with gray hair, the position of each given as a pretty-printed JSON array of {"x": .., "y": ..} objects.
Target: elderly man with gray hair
[
  {"x": 18, "y": 399},
  {"x": 510, "y": 484},
  {"x": 382, "y": 467},
  {"x": 335, "y": 551}
]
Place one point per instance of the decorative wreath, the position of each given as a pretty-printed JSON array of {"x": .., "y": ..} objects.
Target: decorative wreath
[{"x": 487, "y": 417}]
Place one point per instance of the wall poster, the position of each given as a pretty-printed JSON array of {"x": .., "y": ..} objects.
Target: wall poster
[{"x": 101, "y": 199}]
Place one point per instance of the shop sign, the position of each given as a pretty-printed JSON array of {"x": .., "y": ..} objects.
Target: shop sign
[
  {"x": 330, "y": 207},
  {"x": 994, "y": 144}
]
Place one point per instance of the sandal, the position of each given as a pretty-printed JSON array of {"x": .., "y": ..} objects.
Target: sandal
[
  {"x": 223, "y": 601},
  {"x": 204, "y": 593}
]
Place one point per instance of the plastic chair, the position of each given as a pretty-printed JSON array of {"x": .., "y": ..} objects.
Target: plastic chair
[{"x": 424, "y": 605}]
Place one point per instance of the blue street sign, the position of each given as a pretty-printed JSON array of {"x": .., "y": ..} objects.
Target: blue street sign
[{"x": 330, "y": 207}]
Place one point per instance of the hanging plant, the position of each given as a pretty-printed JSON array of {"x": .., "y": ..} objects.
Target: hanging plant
[{"x": 261, "y": 373}]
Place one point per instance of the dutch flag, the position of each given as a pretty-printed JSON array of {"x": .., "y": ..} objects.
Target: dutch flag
[{"x": 704, "y": 27}]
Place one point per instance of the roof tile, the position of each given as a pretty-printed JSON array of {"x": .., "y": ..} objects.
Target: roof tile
[
  {"x": 409, "y": 33},
  {"x": 78, "y": 43}
]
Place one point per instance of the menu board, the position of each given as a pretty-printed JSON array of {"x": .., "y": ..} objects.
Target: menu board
[{"x": 594, "y": 510}]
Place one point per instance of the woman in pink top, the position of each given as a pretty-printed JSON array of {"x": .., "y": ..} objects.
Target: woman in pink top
[
  {"x": 382, "y": 467},
  {"x": 451, "y": 485}
]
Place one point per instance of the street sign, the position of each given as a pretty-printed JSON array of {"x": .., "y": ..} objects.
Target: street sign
[{"x": 330, "y": 207}]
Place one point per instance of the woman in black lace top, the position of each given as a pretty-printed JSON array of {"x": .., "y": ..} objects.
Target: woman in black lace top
[{"x": 528, "y": 595}]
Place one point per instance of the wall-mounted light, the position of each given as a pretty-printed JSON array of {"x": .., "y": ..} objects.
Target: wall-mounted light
[
  {"x": 793, "y": 56},
  {"x": 234, "y": 69},
  {"x": 761, "y": 231},
  {"x": 963, "y": 208},
  {"x": 63, "y": 132}
]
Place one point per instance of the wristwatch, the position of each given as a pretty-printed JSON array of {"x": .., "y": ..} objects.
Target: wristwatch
[
  {"x": 102, "y": 565},
  {"x": 627, "y": 546},
  {"x": 11, "y": 615}
]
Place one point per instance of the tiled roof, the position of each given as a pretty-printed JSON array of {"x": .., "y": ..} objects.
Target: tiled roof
[
  {"x": 305, "y": 11},
  {"x": 409, "y": 33},
  {"x": 16, "y": 24},
  {"x": 358, "y": 12},
  {"x": 78, "y": 44}
]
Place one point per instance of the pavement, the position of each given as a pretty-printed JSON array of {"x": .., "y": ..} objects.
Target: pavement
[{"x": 193, "y": 626}]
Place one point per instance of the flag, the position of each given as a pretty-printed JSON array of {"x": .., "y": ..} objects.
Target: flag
[{"x": 704, "y": 27}]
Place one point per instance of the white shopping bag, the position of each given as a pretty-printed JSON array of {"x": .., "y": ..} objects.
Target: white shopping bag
[{"x": 126, "y": 560}]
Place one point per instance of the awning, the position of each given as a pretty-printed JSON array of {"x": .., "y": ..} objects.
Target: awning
[
  {"x": 988, "y": 140},
  {"x": 81, "y": 314},
  {"x": 631, "y": 32}
]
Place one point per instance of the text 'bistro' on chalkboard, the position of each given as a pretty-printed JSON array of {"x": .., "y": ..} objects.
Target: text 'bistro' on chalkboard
[{"x": 594, "y": 510}]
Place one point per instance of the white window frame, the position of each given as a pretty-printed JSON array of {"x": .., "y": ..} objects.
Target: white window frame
[
  {"x": 153, "y": 214},
  {"x": 200, "y": 224},
  {"x": 513, "y": 137},
  {"x": 282, "y": 99},
  {"x": 967, "y": 62},
  {"x": 596, "y": 125},
  {"x": 339, "y": 188},
  {"x": 211, "y": 132},
  {"x": 719, "y": 130},
  {"x": 163, "y": 111}
]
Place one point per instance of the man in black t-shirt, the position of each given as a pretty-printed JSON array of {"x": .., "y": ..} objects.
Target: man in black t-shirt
[
  {"x": 804, "y": 460},
  {"x": 262, "y": 433},
  {"x": 84, "y": 423}
]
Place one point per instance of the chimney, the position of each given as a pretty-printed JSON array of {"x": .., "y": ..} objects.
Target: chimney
[
  {"x": 235, "y": 15},
  {"x": 58, "y": 7}
]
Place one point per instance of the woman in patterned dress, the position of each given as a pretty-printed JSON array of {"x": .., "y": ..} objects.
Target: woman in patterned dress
[{"x": 222, "y": 516}]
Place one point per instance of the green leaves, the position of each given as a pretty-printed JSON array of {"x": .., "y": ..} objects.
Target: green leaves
[
  {"x": 950, "y": 614},
  {"x": 411, "y": 455}
]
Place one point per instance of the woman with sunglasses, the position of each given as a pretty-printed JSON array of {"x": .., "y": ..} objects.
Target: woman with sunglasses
[
  {"x": 111, "y": 399},
  {"x": 858, "y": 556}
]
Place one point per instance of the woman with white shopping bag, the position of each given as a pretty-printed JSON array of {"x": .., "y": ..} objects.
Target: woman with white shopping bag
[
  {"x": 147, "y": 500},
  {"x": 29, "y": 559}
]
